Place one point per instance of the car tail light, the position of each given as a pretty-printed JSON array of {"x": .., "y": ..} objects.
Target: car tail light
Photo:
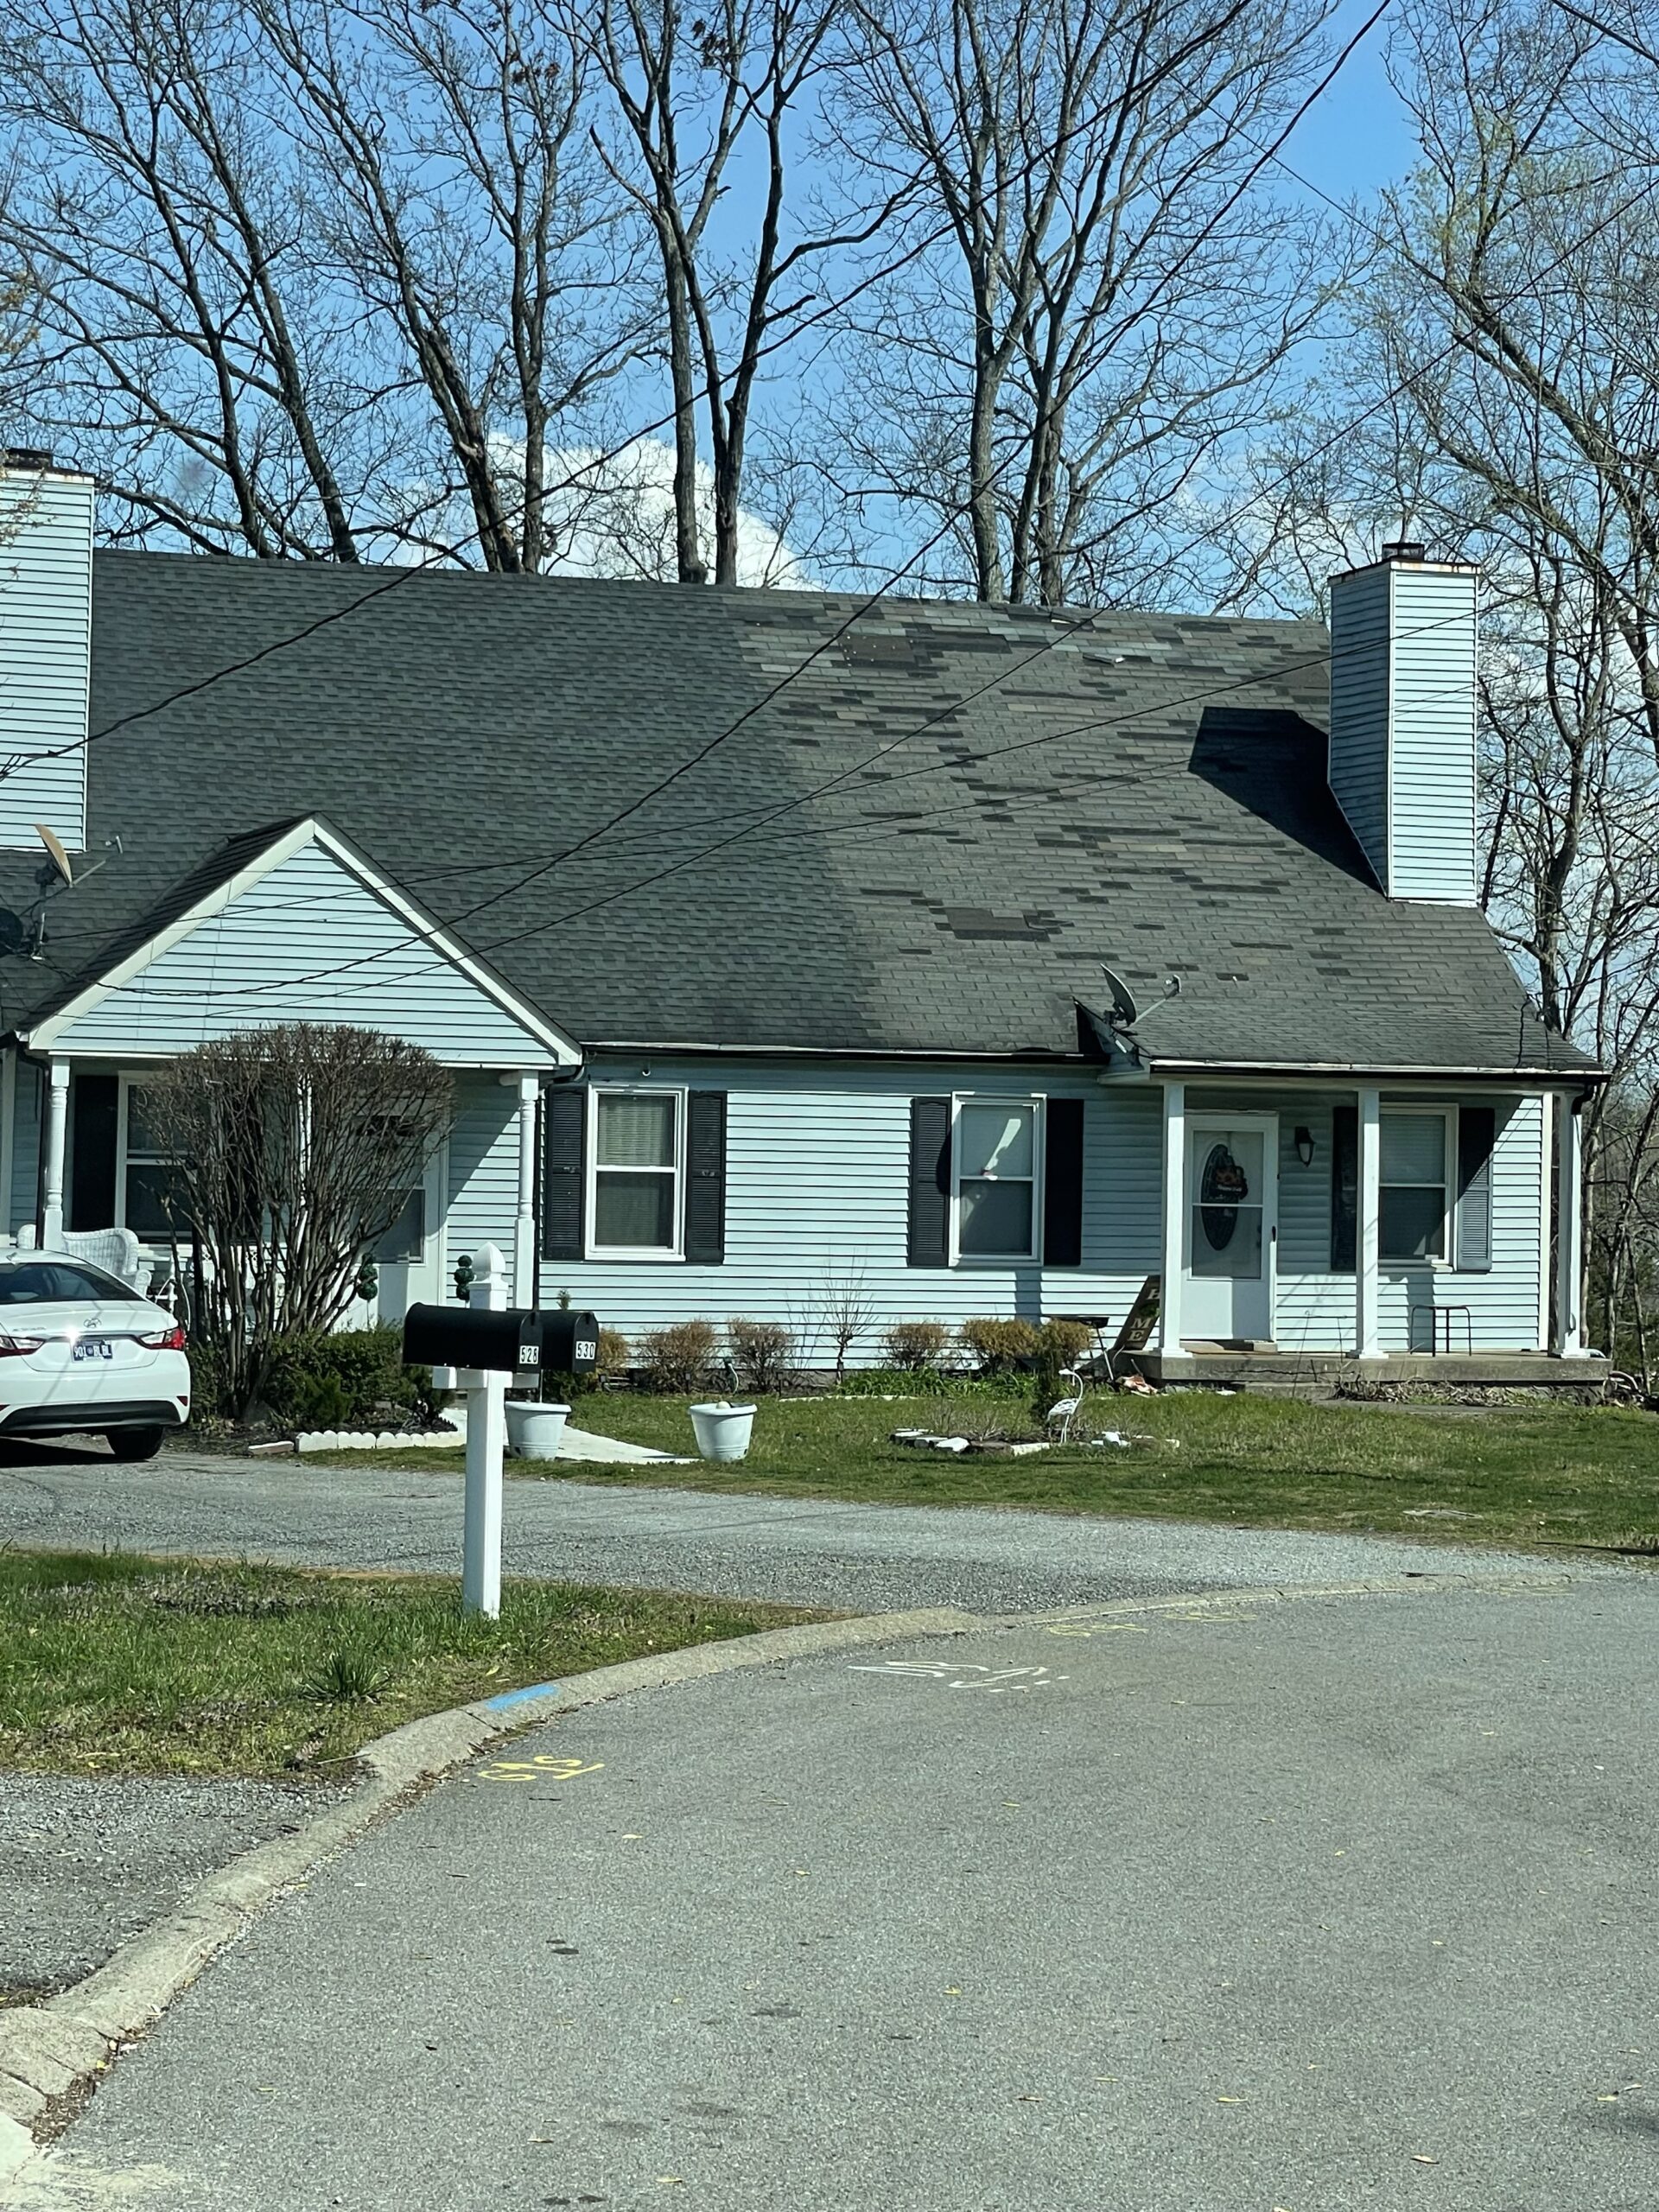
[
  {"x": 164, "y": 1339},
  {"x": 18, "y": 1347}
]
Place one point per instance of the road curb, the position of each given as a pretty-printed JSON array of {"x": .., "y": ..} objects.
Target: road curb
[{"x": 48, "y": 2051}]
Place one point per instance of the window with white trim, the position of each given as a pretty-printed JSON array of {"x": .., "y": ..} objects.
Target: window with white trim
[
  {"x": 997, "y": 1170},
  {"x": 1415, "y": 1193},
  {"x": 637, "y": 1149}
]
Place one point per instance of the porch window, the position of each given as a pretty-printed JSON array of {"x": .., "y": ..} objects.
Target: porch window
[
  {"x": 636, "y": 1165},
  {"x": 1414, "y": 1198},
  {"x": 148, "y": 1181},
  {"x": 998, "y": 1157}
]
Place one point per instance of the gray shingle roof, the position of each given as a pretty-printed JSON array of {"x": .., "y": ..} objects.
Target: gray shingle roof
[{"x": 1155, "y": 800}]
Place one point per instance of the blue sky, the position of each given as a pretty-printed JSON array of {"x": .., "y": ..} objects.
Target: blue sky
[{"x": 1358, "y": 136}]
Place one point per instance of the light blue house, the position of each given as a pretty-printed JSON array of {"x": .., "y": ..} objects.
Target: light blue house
[{"x": 791, "y": 956}]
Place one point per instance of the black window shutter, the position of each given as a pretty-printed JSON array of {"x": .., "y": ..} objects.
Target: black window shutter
[
  {"x": 1477, "y": 1128},
  {"x": 564, "y": 1171},
  {"x": 1063, "y": 1184},
  {"x": 705, "y": 1174},
  {"x": 929, "y": 1241},
  {"x": 92, "y": 1185},
  {"x": 1344, "y": 1188}
]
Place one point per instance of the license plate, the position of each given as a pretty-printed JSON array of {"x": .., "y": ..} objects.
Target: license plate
[{"x": 94, "y": 1348}]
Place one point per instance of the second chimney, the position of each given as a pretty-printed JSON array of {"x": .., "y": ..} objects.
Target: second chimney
[{"x": 1402, "y": 720}]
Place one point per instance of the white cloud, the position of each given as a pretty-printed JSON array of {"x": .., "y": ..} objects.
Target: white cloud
[{"x": 612, "y": 514}]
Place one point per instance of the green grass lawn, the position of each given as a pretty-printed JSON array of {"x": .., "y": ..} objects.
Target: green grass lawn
[
  {"x": 111, "y": 1663},
  {"x": 1501, "y": 1474}
]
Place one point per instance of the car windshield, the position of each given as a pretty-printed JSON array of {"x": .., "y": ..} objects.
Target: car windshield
[{"x": 35, "y": 1283}]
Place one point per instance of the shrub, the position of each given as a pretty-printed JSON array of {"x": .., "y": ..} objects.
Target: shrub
[
  {"x": 1060, "y": 1344},
  {"x": 996, "y": 1343},
  {"x": 1065, "y": 1342},
  {"x": 613, "y": 1355},
  {"x": 680, "y": 1358},
  {"x": 610, "y": 1365},
  {"x": 763, "y": 1353},
  {"x": 325, "y": 1378},
  {"x": 915, "y": 1345}
]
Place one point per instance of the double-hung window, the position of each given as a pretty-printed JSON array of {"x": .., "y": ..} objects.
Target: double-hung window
[
  {"x": 1416, "y": 1194},
  {"x": 998, "y": 1156},
  {"x": 148, "y": 1178},
  {"x": 637, "y": 1151}
]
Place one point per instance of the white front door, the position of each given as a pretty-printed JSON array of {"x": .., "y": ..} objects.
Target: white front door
[
  {"x": 1231, "y": 1212},
  {"x": 409, "y": 1256}
]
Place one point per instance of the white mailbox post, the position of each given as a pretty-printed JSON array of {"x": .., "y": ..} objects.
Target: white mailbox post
[{"x": 486, "y": 1437}]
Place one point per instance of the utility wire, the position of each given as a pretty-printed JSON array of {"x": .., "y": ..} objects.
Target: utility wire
[{"x": 826, "y": 644}]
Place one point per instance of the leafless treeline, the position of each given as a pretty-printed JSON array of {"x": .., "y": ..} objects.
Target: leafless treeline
[{"x": 702, "y": 294}]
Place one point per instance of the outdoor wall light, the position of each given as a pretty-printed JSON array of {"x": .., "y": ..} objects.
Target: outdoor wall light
[{"x": 1305, "y": 1147}]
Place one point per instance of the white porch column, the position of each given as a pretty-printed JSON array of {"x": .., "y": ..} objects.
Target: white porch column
[
  {"x": 57, "y": 1132},
  {"x": 1368, "y": 1205},
  {"x": 1169, "y": 1336},
  {"x": 524, "y": 1226},
  {"x": 1569, "y": 1232}
]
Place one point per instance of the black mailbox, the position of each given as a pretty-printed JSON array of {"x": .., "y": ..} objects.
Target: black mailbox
[
  {"x": 569, "y": 1343},
  {"x": 472, "y": 1336}
]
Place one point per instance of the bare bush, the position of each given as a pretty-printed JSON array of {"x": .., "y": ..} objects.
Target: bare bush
[
  {"x": 289, "y": 1153},
  {"x": 680, "y": 1359},
  {"x": 915, "y": 1345},
  {"x": 763, "y": 1353}
]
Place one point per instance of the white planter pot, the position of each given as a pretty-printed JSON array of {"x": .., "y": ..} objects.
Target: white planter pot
[
  {"x": 722, "y": 1431},
  {"x": 534, "y": 1429}
]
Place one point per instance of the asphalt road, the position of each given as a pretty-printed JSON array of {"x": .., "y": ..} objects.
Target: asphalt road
[
  {"x": 857, "y": 1558},
  {"x": 1313, "y": 1904}
]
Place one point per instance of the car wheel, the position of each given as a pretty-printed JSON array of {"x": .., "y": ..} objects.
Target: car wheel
[{"x": 134, "y": 1443}]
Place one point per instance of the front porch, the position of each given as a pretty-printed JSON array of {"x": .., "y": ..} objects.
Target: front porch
[
  {"x": 1292, "y": 1374},
  {"x": 1316, "y": 1229}
]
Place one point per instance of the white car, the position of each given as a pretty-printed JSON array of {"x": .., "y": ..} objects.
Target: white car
[{"x": 80, "y": 1349}]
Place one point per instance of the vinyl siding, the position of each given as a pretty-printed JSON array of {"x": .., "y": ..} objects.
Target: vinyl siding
[
  {"x": 483, "y": 1167},
  {"x": 275, "y": 953},
  {"x": 45, "y": 623},
  {"x": 1359, "y": 709},
  {"x": 816, "y": 1197},
  {"x": 1433, "y": 750},
  {"x": 1315, "y": 1309}
]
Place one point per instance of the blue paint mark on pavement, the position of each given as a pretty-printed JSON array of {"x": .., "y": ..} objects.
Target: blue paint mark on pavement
[{"x": 518, "y": 1697}]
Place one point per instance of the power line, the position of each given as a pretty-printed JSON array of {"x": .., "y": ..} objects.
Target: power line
[
  {"x": 826, "y": 644},
  {"x": 875, "y": 830},
  {"x": 691, "y": 860}
]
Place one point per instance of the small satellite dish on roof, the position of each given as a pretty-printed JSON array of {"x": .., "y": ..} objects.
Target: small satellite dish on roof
[
  {"x": 56, "y": 852},
  {"x": 1124, "y": 1014}
]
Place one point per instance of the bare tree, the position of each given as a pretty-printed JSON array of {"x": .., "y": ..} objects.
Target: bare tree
[
  {"x": 705, "y": 111},
  {"x": 1108, "y": 308},
  {"x": 1505, "y": 366},
  {"x": 316, "y": 277},
  {"x": 291, "y": 1151}
]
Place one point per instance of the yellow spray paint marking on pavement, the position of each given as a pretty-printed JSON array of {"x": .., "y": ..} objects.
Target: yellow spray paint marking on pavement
[
  {"x": 541, "y": 1768},
  {"x": 1105, "y": 1628}
]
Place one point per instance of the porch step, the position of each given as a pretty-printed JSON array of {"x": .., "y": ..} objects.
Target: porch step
[{"x": 1300, "y": 1374}]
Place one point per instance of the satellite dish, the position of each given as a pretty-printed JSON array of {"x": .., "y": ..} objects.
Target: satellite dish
[
  {"x": 14, "y": 931},
  {"x": 1124, "y": 1015},
  {"x": 55, "y": 852}
]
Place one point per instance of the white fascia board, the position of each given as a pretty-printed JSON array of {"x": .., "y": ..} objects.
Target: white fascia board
[{"x": 311, "y": 831}]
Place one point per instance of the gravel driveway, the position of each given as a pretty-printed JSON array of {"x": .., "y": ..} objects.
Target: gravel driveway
[
  {"x": 86, "y": 1864},
  {"x": 857, "y": 1558}
]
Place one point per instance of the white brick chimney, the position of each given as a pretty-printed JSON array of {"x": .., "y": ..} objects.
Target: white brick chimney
[
  {"x": 46, "y": 644},
  {"x": 1402, "y": 720}
]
